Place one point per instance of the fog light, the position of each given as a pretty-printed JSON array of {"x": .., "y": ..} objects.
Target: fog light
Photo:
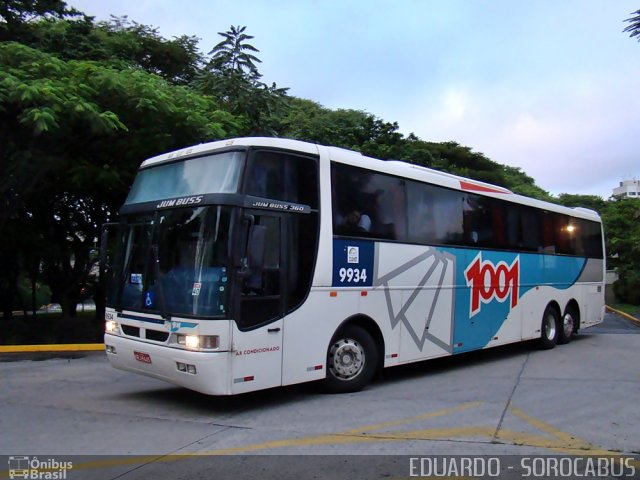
[
  {"x": 111, "y": 349},
  {"x": 186, "y": 368}
]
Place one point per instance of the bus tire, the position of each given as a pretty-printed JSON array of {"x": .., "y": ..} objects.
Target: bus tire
[
  {"x": 549, "y": 328},
  {"x": 352, "y": 359},
  {"x": 567, "y": 326}
]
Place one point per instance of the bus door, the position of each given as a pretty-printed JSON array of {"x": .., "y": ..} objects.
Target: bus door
[{"x": 257, "y": 340}]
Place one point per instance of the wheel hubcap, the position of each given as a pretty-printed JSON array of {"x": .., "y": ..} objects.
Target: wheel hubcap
[
  {"x": 346, "y": 359},
  {"x": 567, "y": 325},
  {"x": 550, "y": 327}
]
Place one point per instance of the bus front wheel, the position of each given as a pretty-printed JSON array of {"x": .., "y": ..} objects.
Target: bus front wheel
[
  {"x": 550, "y": 328},
  {"x": 352, "y": 359}
]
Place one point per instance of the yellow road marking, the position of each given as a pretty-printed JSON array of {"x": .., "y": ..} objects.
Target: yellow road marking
[
  {"x": 76, "y": 347},
  {"x": 624, "y": 315},
  {"x": 438, "y": 413}
]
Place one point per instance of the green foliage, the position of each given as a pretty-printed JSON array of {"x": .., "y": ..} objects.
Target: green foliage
[
  {"x": 521, "y": 183},
  {"x": 232, "y": 55},
  {"x": 16, "y": 16},
  {"x": 73, "y": 134},
  {"x": 177, "y": 60},
  {"x": 634, "y": 27},
  {"x": 352, "y": 129},
  {"x": 119, "y": 42},
  {"x": 231, "y": 76},
  {"x": 593, "y": 202},
  {"x": 622, "y": 227}
]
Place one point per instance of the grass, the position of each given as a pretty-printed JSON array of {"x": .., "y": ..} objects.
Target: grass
[{"x": 633, "y": 310}]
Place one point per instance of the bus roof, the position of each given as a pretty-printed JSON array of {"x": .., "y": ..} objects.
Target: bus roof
[{"x": 393, "y": 167}]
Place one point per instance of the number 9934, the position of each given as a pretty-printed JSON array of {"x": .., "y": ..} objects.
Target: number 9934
[{"x": 352, "y": 275}]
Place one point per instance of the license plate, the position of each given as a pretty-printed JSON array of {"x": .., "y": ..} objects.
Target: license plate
[{"x": 142, "y": 357}]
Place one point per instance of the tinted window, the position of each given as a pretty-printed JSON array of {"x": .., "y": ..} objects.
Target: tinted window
[
  {"x": 281, "y": 176},
  {"x": 368, "y": 204},
  {"x": 591, "y": 238},
  {"x": 435, "y": 215},
  {"x": 484, "y": 222},
  {"x": 374, "y": 205},
  {"x": 261, "y": 287},
  {"x": 530, "y": 229}
]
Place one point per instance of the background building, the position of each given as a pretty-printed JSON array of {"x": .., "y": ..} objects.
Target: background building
[{"x": 627, "y": 188}]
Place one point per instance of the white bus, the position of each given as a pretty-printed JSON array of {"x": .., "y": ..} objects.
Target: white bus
[{"x": 258, "y": 262}]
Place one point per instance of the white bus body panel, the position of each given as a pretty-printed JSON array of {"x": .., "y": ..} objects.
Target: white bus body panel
[
  {"x": 256, "y": 358},
  {"x": 213, "y": 369}
]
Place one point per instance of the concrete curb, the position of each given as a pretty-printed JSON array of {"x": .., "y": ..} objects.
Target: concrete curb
[
  {"x": 78, "y": 347},
  {"x": 624, "y": 315}
]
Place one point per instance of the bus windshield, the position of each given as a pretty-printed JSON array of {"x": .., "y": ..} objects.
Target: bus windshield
[
  {"x": 218, "y": 173},
  {"x": 174, "y": 262}
]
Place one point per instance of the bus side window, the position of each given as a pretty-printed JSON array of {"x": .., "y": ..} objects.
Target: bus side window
[
  {"x": 368, "y": 204},
  {"x": 265, "y": 176},
  {"x": 281, "y": 176},
  {"x": 261, "y": 288}
]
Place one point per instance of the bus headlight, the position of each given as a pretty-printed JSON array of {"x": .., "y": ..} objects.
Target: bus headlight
[
  {"x": 195, "y": 342},
  {"x": 112, "y": 327}
]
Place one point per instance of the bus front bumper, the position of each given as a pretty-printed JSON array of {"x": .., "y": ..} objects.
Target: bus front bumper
[{"x": 205, "y": 372}]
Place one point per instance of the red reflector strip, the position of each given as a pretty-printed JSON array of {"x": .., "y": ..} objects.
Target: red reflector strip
[
  {"x": 333, "y": 294},
  {"x": 363, "y": 294},
  {"x": 393, "y": 355},
  {"x": 243, "y": 379},
  {"x": 312, "y": 369}
]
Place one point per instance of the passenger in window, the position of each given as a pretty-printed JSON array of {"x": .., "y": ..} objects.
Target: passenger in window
[{"x": 353, "y": 222}]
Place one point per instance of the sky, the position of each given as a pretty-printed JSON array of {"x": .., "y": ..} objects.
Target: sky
[{"x": 549, "y": 86}]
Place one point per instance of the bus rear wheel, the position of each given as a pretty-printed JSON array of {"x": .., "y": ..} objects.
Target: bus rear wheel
[
  {"x": 567, "y": 327},
  {"x": 550, "y": 328},
  {"x": 352, "y": 359}
]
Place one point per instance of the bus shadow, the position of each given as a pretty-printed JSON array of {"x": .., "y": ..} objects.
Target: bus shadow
[
  {"x": 192, "y": 402},
  {"x": 452, "y": 363},
  {"x": 460, "y": 361}
]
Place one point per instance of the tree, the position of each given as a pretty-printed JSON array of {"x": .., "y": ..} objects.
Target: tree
[
  {"x": 634, "y": 28},
  {"x": 352, "y": 129},
  {"x": 16, "y": 16},
  {"x": 73, "y": 134},
  {"x": 232, "y": 55},
  {"x": 622, "y": 227},
  {"x": 231, "y": 76},
  {"x": 593, "y": 202},
  {"x": 177, "y": 61},
  {"x": 119, "y": 42}
]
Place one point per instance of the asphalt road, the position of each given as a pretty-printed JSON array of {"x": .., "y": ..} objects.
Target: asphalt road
[{"x": 576, "y": 400}]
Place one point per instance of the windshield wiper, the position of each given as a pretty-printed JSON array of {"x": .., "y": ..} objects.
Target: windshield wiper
[{"x": 156, "y": 265}]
